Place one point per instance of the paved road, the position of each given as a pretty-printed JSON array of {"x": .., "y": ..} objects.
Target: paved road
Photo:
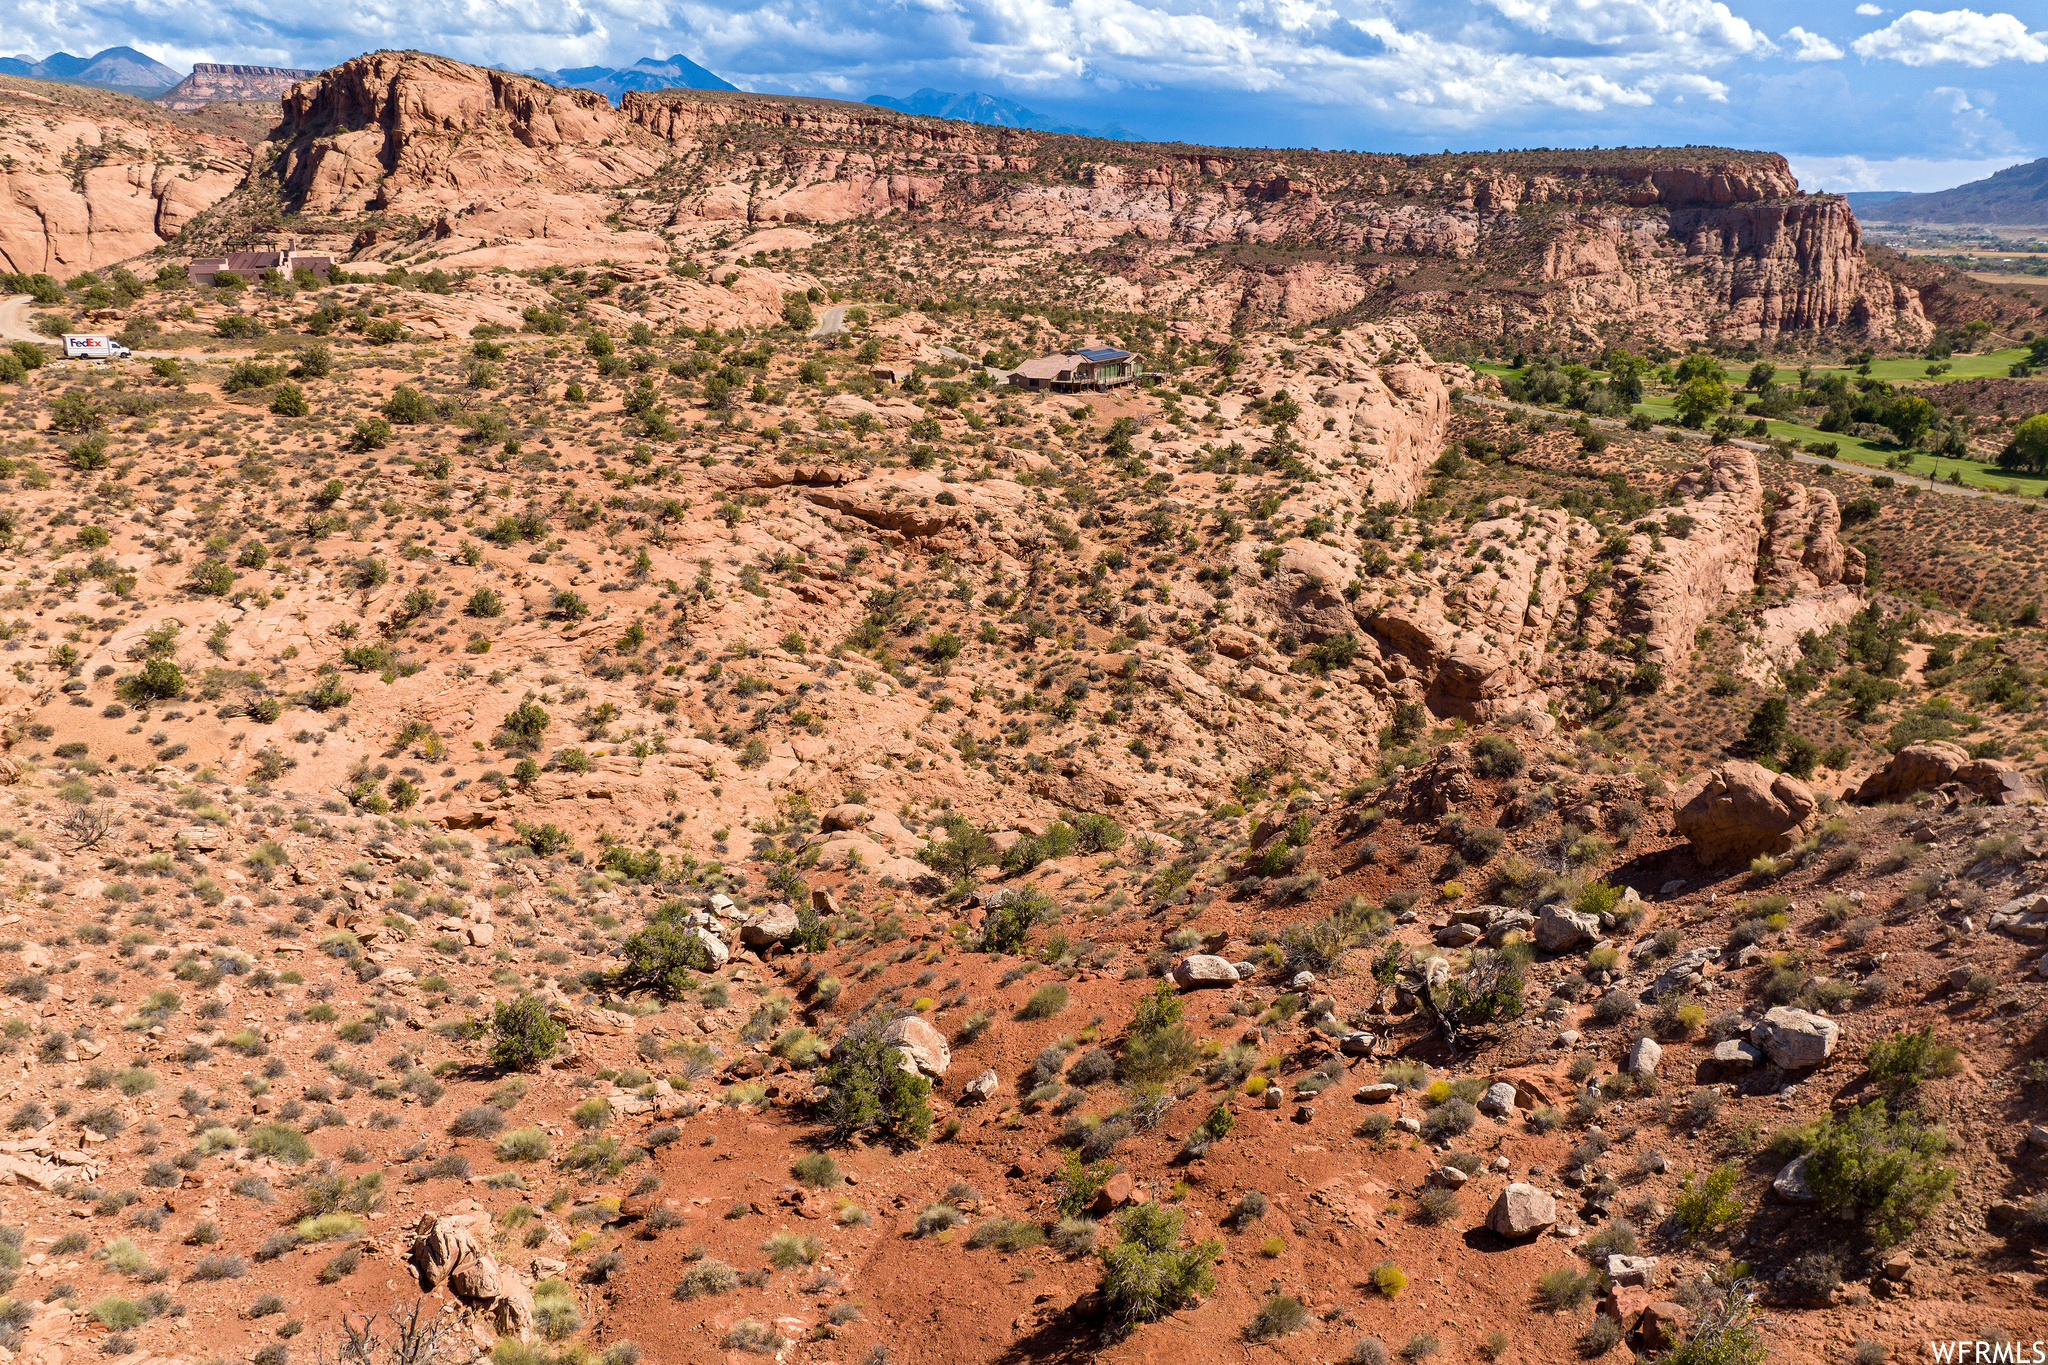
[
  {"x": 1849, "y": 466},
  {"x": 14, "y": 320},
  {"x": 831, "y": 321}
]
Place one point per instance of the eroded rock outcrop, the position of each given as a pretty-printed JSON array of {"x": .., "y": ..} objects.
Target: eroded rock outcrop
[
  {"x": 1801, "y": 550},
  {"x": 1937, "y": 763},
  {"x": 447, "y": 1249},
  {"x": 87, "y": 179},
  {"x": 1668, "y": 583}
]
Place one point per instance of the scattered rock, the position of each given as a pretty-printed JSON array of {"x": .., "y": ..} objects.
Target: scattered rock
[
  {"x": 1737, "y": 1055},
  {"x": 1665, "y": 1325},
  {"x": 1795, "y": 1039},
  {"x": 1203, "y": 969},
  {"x": 1499, "y": 1099},
  {"x": 981, "y": 1087},
  {"x": 1790, "y": 1183},
  {"x": 1522, "y": 1210},
  {"x": 446, "y": 1250},
  {"x": 1937, "y": 763},
  {"x": 776, "y": 924},
  {"x": 1115, "y": 1193},
  {"x": 1644, "y": 1056},
  {"x": 1631, "y": 1269},
  {"x": 1560, "y": 929}
]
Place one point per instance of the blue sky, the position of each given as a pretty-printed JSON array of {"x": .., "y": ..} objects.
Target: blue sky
[{"x": 1857, "y": 96}]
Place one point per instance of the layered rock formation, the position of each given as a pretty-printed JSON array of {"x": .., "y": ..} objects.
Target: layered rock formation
[
  {"x": 212, "y": 83},
  {"x": 1674, "y": 246},
  {"x": 89, "y": 179}
]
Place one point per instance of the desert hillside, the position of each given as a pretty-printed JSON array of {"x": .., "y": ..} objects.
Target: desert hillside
[{"x": 586, "y": 775}]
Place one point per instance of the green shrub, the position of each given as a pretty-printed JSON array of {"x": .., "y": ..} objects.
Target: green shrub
[
  {"x": 1277, "y": 1317},
  {"x": 1389, "y": 1279},
  {"x": 280, "y": 1142},
  {"x": 708, "y": 1276},
  {"x": 1725, "y": 1333},
  {"x": 525, "y": 1035},
  {"x": 523, "y": 1144},
  {"x": 1008, "y": 925},
  {"x": 1880, "y": 1169},
  {"x": 1563, "y": 1288},
  {"x": 1898, "y": 1064},
  {"x": 1044, "y": 1003},
  {"x": 817, "y": 1170},
  {"x": 1006, "y": 1234},
  {"x": 869, "y": 1092},
  {"x": 1160, "y": 1046},
  {"x": 407, "y": 406},
  {"x": 788, "y": 1249},
  {"x": 1706, "y": 1203},
  {"x": 1150, "y": 1271},
  {"x": 664, "y": 957},
  {"x": 329, "y": 1227},
  {"x": 555, "y": 1311},
  {"x": 1496, "y": 756}
]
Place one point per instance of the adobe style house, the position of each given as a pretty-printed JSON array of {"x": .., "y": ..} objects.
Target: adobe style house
[
  {"x": 1074, "y": 371},
  {"x": 249, "y": 266}
]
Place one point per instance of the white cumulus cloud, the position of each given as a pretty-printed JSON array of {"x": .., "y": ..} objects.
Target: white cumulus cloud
[
  {"x": 1923, "y": 38},
  {"x": 1870, "y": 11},
  {"x": 1812, "y": 47},
  {"x": 1917, "y": 174}
]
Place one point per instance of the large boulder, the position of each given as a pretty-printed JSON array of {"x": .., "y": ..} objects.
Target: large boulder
[
  {"x": 1522, "y": 1210},
  {"x": 924, "y": 1049},
  {"x": 1795, "y": 1039},
  {"x": 1560, "y": 929},
  {"x": 776, "y": 924},
  {"x": 1204, "y": 969},
  {"x": 1739, "y": 810},
  {"x": 1936, "y": 763}
]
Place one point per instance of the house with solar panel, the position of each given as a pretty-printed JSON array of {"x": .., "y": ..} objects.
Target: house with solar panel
[{"x": 1097, "y": 369}]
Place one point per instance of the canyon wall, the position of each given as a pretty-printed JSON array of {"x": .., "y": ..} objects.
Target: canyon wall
[
  {"x": 1674, "y": 245},
  {"x": 88, "y": 178}
]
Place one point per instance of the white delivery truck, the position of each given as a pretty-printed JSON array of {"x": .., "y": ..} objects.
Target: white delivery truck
[{"x": 92, "y": 346}]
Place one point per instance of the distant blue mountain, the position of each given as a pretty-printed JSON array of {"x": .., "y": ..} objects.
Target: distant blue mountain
[
  {"x": 677, "y": 73},
  {"x": 1860, "y": 200},
  {"x": 994, "y": 110},
  {"x": 117, "y": 68}
]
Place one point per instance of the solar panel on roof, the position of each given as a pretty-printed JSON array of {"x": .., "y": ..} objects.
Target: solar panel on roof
[{"x": 1101, "y": 354}]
